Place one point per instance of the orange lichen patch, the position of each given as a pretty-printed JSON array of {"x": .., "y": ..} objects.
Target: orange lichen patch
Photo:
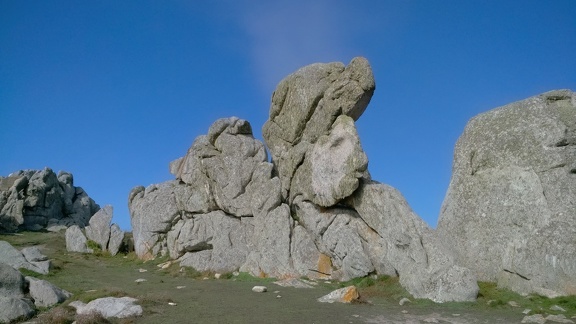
[
  {"x": 324, "y": 265},
  {"x": 350, "y": 294},
  {"x": 262, "y": 274}
]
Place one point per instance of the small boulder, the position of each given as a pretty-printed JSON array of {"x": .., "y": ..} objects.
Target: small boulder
[
  {"x": 259, "y": 289},
  {"x": 110, "y": 307},
  {"x": 15, "y": 308},
  {"x": 342, "y": 295}
]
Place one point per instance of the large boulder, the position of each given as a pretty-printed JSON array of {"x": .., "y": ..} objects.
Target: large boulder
[
  {"x": 305, "y": 106},
  {"x": 510, "y": 209},
  {"x": 37, "y": 199},
  {"x": 11, "y": 256},
  {"x": 13, "y": 304}
]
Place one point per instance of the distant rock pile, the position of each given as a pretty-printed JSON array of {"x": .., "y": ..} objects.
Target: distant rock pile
[
  {"x": 510, "y": 210},
  {"x": 313, "y": 211},
  {"x": 40, "y": 199}
]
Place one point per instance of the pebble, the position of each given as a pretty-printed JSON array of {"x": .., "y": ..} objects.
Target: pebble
[
  {"x": 513, "y": 303},
  {"x": 404, "y": 312},
  {"x": 142, "y": 270},
  {"x": 557, "y": 308},
  {"x": 404, "y": 301},
  {"x": 278, "y": 296},
  {"x": 180, "y": 287},
  {"x": 140, "y": 280},
  {"x": 259, "y": 289},
  {"x": 172, "y": 304}
]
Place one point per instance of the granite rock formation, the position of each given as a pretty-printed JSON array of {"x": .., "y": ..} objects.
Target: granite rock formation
[
  {"x": 40, "y": 199},
  {"x": 511, "y": 205},
  {"x": 312, "y": 211}
]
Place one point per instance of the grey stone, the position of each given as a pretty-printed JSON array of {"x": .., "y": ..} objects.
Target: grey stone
[
  {"x": 116, "y": 238},
  {"x": 259, "y": 289},
  {"x": 305, "y": 105},
  {"x": 222, "y": 164},
  {"x": 342, "y": 295},
  {"x": 99, "y": 228},
  {"x": 11, "y": 281},
  {"x": 46, "y": 294},
  {"x": 76, "y": 240},
  {"x": 332, "y": 166},
  {"x": 15, "y": 308},
  {"x": 14, "y": 258},
  {"x": 510, "y": 209},
  {"x": 425, "y": 264},
  {"x": 110, "y": 307},
  {"x": 269, "y": 254},
  {"x": 536, "y": 318},
  {"x": 292, "y": 282},
  {"x": 214, "y": 241},
  {"x": 33, "y": 254},
  {"x": 561, "y": 318},
  {"x": 153, "y": 211}
]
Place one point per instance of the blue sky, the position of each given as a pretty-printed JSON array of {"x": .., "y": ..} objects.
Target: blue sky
[{"x": 112, "y": 91}]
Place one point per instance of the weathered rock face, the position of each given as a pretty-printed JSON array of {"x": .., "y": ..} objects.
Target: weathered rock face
[
  {"x": 35, "y": 200},
  {"x": 511, "y": 205},
  {"x": 312, "y": 212}
]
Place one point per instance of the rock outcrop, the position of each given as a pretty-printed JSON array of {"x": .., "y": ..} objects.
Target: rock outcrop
[
  {"x": 313, "y": 211},
  {"x": 510, "y": 209},
  {"x": 40, "y": 199}
]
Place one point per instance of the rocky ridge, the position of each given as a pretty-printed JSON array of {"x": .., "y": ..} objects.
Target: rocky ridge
[
  {"x": 40, "y": 199},
  {"x": 313, "y": 211}
]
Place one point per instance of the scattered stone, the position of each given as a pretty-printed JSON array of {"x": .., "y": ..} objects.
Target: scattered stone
[
  {"x": 217, "y": 276},
  {"x": 142, "y": 270},
  {"x": 561, "y": 318},
  {"x": 536, "y": 318},
  {"x": 342, "y": 295},
  {"x": 259, "y": 289},
  {"x": 513, "y": 303},
  {"x": 293, "y": 282},
  {"x": 430, "y": 320},
  {"x": 557, "y": 308},
  {"x": 46, "y": 294},
  {"x": 180, "y": 287},
  {"x": 404, "y": 301},
  {"x": 526, "y": 311},
  {"x": 172, "y": 304},
  {"x": 110, "y": 307},
  {"x": 456, "y": 315},
  {"x": 404, "y": 311},
  {"x": 140, "y": 280},
  {"x": 278, "y": 296},
  {"x": 235, "y": 273}
]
